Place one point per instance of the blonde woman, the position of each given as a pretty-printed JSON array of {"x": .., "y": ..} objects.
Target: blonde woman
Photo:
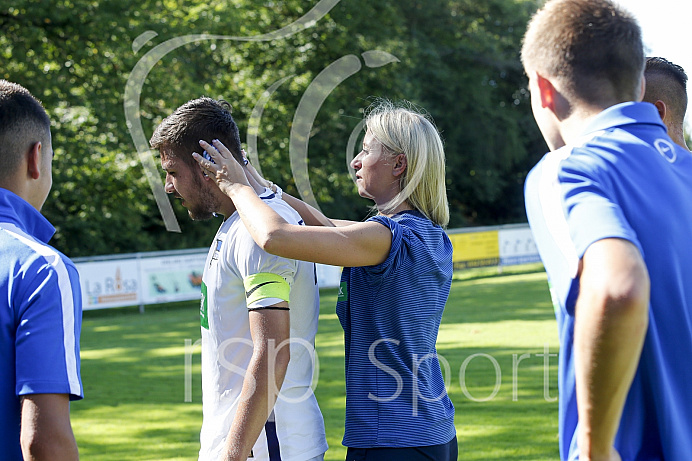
[{"x": 395, "y": 283}]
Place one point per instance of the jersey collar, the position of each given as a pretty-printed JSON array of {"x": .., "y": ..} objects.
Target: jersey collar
[
  {"x": 267, "y": 194},
  {"x": 626, "y": 113},
  {"x": 17, "y": 211}
]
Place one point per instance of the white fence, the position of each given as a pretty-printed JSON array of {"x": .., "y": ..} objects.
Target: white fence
[
  {"x": 506, "y": 245},
  {"x": 139, "y": 279}
]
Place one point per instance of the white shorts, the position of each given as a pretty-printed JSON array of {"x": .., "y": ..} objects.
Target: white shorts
[{"x": 317, "y": 458}]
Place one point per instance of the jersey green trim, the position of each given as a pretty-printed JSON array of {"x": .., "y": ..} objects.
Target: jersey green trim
[
  {"x": 203, "y": 308},
  {"x": 265, "y": 285}
]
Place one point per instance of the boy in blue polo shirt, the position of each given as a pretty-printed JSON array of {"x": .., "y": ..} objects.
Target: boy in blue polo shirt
[
  {"x": 611, "y": 214},
  {"x": 40, "y": 297}
]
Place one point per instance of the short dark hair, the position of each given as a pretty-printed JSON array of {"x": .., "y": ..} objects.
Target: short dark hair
[
  {"x": 584, "y": 44},
  {"x": 23, "y": 122},
  {"x": 203, "y": 118},
  {"x": 667, "y": 82}
]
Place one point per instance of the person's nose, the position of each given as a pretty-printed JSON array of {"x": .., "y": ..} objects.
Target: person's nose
[{"x": 356, "y": 163}]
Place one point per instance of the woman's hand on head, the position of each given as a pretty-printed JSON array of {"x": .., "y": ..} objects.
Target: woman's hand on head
[{"x": 222, "y": 167}]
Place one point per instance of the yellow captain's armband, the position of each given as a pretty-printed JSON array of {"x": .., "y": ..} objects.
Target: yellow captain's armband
[{"x": 265, "y": 285}]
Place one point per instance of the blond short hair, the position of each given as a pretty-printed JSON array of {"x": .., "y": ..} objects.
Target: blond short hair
[{"x": 403, "y": 129}]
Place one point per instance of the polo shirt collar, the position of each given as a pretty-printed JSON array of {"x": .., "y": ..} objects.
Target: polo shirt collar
[
  {"x": 627, "y": 113},
  {"x": 17, "y": 211}
]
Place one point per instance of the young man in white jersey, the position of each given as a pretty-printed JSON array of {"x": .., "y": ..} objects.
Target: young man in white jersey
[{"x": 254, "y": 343}]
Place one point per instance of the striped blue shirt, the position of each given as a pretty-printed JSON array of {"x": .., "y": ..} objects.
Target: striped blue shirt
[
  {"x": 40, "y": 316},
  {"x": 395, "y": 393}
]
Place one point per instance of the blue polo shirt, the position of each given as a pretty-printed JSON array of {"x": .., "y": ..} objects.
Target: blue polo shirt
[
  {"x": 40, "y": 316},
  {"x": 625, "y": 179},
  {"x": 390, "y": 313}
]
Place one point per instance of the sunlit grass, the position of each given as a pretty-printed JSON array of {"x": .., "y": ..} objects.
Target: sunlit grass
[{"x": 494, "y": 335}]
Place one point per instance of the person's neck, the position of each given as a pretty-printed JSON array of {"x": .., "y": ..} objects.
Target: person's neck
[
  {"x": 678, "y": 137},
  {"x": 572, "y": 127},
  {"x": 402, "y": 207},
  {"x": 228, "y": 207},
  {"x": 25, "y": 190}
]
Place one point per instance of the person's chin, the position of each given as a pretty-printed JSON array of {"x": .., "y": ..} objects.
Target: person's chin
[
  {"x": 197, "y": 215},
  {"x": 365, "y": 194}
]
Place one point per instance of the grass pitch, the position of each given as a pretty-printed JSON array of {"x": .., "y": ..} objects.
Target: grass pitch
[{"x": 497, "y": 343}]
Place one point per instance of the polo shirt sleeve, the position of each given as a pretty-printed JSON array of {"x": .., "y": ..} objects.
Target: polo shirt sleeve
[
  {"x": 591, "y": 212},
  {"x": 590, "y": 204},
  {"x": 571, "y": 203},
  {"x": 49, "y": 314}
]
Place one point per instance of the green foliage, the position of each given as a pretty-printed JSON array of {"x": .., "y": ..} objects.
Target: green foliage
[{"x": 459, "y": 59}]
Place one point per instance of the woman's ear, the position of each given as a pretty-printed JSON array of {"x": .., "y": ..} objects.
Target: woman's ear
[{"x": 400, "y": 164}]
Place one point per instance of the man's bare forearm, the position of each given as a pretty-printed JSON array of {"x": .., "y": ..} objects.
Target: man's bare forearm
[
  {"x": 258, "y": 397},
  {"x": 46, "y": 433}
]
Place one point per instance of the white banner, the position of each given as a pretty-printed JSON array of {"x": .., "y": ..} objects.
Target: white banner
[
  {"x": 155, "y": 279},
  {"x": 109, "y": 283},
  {"x": 517, "y": 247},
  {"x": 171, "y": 278},
  {"x": 152, "y": 278},
  {"x": 328, "y": 276}
]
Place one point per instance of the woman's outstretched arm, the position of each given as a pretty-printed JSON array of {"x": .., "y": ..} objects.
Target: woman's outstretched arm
[
  {"x": 311, "y": 216},
  {"x": 358, "y": 244}
]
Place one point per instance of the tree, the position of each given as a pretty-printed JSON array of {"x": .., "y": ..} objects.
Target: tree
[{"x": 459, "y": 59}]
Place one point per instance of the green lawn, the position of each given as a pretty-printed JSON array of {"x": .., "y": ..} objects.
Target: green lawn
[{"x": 133, "y": 370}]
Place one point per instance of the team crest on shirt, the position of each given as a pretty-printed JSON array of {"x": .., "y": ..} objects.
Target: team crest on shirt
[
  {"x": 217, "y": 251},
  {"x": 343, "y": 292}
]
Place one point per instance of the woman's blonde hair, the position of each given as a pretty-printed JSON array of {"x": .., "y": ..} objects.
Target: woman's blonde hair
[{"x": 404, "y": 129}]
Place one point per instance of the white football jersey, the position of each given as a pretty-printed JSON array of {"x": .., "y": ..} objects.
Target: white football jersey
[{"x": 227, "y": 343}]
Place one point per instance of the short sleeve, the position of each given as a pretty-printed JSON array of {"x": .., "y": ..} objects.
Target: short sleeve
[
  {"x": 382, "y": 269},
  {"x": 589, "y": 200},
  {"x": 48, "y": 329},
  {"x": 251, "y": 260},
  {"x": 571, "y": 203}
]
